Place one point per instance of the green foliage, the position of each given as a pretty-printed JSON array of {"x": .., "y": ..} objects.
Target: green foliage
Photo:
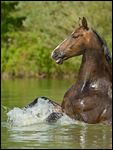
[
  {"x": 9, "y": 23},
  {"x": 32, "y": 29}
]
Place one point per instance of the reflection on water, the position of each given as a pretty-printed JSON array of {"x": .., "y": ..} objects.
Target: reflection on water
[{"x": 43, "y": 135}]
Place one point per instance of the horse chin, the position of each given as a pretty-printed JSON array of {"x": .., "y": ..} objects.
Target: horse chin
[{"x": 59, "y": 61}]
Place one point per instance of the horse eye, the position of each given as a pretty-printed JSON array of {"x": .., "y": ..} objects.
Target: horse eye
[{"x": 75, "y": 36}]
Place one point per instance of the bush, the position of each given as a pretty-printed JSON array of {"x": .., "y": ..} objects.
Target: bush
[{"x": 32, "y": 29}]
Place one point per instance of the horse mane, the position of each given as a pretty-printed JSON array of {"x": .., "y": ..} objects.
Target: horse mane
[{"x": 104, "y": 47}]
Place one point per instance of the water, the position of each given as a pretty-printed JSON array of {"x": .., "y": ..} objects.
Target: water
[{"x": 66, "y": 134}]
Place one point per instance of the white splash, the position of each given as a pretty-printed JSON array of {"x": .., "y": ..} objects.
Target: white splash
[
  {"x": 66, "y": 120},
  {"x": 35, "y": 114},
  {"x": 26, "y": 116}
]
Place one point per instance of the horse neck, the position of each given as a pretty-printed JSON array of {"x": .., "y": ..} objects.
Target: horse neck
[{"x": 94, "y": 65}]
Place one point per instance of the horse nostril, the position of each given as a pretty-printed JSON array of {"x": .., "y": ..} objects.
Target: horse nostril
[{"x": 54, "y": 54}]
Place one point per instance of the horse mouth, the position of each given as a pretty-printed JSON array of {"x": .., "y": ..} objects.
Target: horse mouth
[
  {"x": 59, "y": 61},
  {"x": 59, "y": 58}
]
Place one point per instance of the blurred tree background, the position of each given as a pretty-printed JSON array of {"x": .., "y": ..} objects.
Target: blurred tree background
[{"x": 32, "y": 29}]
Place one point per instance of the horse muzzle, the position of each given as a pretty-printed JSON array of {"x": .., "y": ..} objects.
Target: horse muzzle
[{"x": 57, "y": 56}]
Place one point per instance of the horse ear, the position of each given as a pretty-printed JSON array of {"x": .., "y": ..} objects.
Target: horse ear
[
  {"x": 80, "y": 21},
  {"x": 84, "y": 23}
]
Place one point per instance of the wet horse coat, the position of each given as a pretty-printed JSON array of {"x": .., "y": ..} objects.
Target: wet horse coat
[{"x": 90, "y": 98}]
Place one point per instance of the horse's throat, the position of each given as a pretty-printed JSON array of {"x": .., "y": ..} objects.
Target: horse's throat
[
  {"x": 93, "y": 67},
  {"x": 91, "y": 70}
]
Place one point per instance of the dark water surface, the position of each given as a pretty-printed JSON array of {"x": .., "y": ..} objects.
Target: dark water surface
[{"x": 19, "y": 93}]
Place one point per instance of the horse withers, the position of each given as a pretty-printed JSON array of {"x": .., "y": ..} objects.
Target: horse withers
[{"x": 90, "y": 98}]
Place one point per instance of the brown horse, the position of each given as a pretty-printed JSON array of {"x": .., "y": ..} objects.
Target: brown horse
[{"x": 90, "y": 99}]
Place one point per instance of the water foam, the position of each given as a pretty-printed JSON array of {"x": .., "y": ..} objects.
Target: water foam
[
  {"x": 30, "y": 115},
  {"x": 37, "y": 113}
]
